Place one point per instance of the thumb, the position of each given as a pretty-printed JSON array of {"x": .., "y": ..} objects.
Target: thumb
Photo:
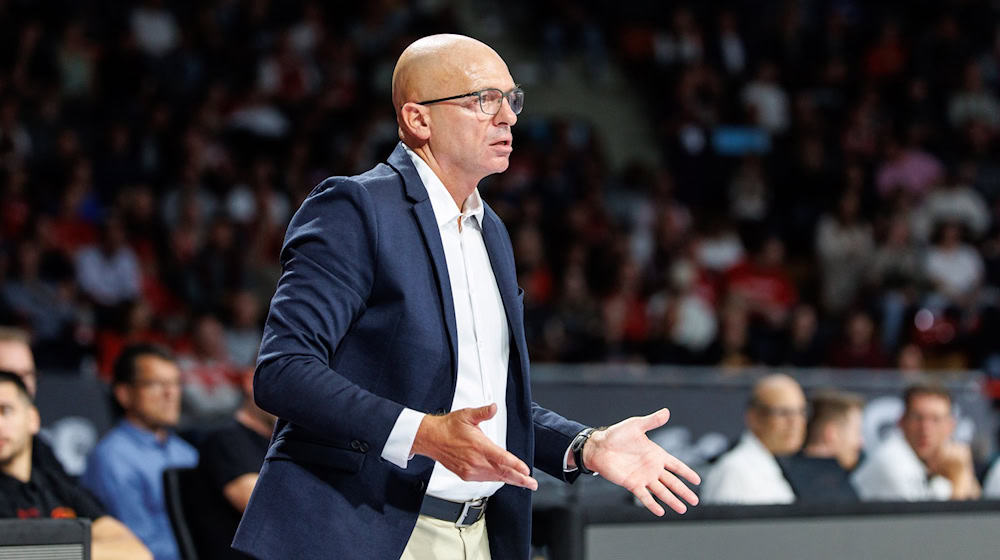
[
  {"x": 481, "y": 414},
  {"x": 655, "y": 420}
]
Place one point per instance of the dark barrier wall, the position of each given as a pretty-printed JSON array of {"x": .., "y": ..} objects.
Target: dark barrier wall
[
  {"x": 887, "y": 531},
  {"x": 75, "y": 412}
]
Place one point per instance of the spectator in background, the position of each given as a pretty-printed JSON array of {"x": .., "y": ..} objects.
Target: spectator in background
[
  {"x": 749, "y": 193},
  {"x": 954, "y": 201},
  {"x": 763, "y": 283},
  {"x": 954, "y": 269},
  {"x": 28, "y": 490},
  {"x": 907, "y": 172},
  {"x": 766, "y": 99},
  {"x": 973, "y": 102},
  {"x": 44, "y": 304},
  {"x": 108, "y": 273},
  {"x": 859, "y": 348},
  {"x": 155, "y": 29},
  {"x": 230, "y": 460},
  {"x": 243, "y": 333},
  {"x": 844, "y": 246},
  {"x": 211, "y": 380},
  {"x": 896, "y": 272},
  {"x": 805, "y": 344},
  {"x": 821, "y": 471},
  {"x": 16, "y": 357},
  {"x": 749, "y": 473},
  {"x": 125, "y": 470},
  {"x": 682, "y": 316},
  {"x": 922, "y": 462}
]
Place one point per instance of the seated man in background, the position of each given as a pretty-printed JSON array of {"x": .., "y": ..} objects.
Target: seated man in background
[
  {"x": 29, "y": 491},
  {"x": 230, "y": 460},
  {"x": 749, "y": 473},
  {"x": 821, "y": 471},
  {"x": 922, "y": 462},
  {"x": 16, "y": 357},
  {"x": 125, "y": 470}
]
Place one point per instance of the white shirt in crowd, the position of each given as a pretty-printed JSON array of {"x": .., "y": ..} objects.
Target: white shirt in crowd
[
  {"x": 746, "y": 474},
  {"x": 108, "y": 279},
  {"x": 483, "y": 342},
  {"x": 991, "y": 484},
  {"x": 894, "y": 472}
]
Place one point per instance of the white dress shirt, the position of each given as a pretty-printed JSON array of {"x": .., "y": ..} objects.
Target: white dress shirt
[
  {"x": 991, "y": 484},
  {"x": 894, "y": 472},
  {"x": 746, "y": 474},
  {"x": 483, "y": 339}
]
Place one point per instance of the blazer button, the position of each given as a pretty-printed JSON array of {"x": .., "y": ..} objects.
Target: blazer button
[
  {"x": 420, "y": 486},
  {"x": 442, "y": 411},
  {"x": 355, "y": 444},
  {"x": 363, "y": 447}
]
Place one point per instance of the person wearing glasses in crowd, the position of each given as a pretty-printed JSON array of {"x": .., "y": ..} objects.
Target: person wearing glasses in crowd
[
  {"x": 16, "y": 357},
  {"x": 821, "y": 472},
  {"x": 125, "y": 469},
  {"x": 920, "y": 462},
  {"x": 394, "y": 353},
  {"x": 749, "y": 473}
]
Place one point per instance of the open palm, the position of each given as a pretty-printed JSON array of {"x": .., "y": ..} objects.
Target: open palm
[{"x": 624, "y": 455}]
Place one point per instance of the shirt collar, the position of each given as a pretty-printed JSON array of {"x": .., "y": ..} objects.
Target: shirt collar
[
  {"x": 142, "y": 435},
  {"x": 445, "y": 210}
]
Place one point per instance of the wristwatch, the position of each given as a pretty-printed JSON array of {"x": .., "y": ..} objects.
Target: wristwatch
[{"x": 577, "y": 448}]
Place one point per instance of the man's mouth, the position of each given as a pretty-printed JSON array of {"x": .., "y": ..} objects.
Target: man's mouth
[{"x": 506, "y": 143}]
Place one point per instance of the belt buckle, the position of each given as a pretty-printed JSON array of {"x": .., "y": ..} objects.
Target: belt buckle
[{"x": 475, "y": 507}]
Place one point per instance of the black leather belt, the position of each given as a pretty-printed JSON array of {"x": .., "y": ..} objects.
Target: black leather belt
[{"x": 462, "y": 514}]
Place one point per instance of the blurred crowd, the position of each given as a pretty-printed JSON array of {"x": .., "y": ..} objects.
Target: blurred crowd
[{"x": 826, "y": 195}]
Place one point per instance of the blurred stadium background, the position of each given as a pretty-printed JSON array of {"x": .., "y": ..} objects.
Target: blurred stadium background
[{"x": 700, "y": 191}]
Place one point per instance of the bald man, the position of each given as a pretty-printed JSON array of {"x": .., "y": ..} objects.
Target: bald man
[
  {"x": 776, "y": 425},
  {"x": 394, "y": 353}
]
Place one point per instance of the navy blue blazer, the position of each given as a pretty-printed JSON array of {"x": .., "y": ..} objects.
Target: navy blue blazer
[{"x": 362, "y": 324}]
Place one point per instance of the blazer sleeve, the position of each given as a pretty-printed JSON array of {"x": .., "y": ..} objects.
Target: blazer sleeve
[
  {"x": 553, "y": 435},
  {"x": 328, "y": 262}
]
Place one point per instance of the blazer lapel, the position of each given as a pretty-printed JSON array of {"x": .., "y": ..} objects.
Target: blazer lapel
[
  {"x": 424, "y": 213},
  {"x": 502, "y": 258}
]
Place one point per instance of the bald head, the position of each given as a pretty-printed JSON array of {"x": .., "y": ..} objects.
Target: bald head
[
  {"x": 439, "y": 66},
  {"x": 777, "y": 414},
  {"x": 459, "y": 139}
]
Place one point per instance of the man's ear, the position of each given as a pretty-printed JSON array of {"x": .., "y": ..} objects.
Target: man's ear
[
  {"x": 415, "y": 121},
  {"x": 34, "y": 421},
  {"x": 750, "y": 418},
  {"x": 123, "y": 395}
]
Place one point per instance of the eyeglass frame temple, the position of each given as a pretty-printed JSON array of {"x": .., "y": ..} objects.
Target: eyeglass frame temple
[{"x": 476, "y": 93}]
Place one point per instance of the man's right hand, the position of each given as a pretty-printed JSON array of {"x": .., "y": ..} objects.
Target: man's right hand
[
  {"x": 954, "y": 462},
  {"x": 455, "y": 441}
]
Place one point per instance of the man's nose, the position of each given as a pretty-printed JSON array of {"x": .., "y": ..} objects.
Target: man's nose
[{"x": 506, "y": 113}]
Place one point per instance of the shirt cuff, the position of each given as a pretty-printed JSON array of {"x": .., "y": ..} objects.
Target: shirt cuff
[{"x": 404, "y": 432}]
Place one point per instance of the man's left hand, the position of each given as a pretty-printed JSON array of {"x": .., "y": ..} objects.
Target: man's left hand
[{"x": 624, "y": 455}]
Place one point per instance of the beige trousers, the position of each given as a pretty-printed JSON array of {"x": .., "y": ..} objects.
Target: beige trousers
[{"x": 434, "y": 539}]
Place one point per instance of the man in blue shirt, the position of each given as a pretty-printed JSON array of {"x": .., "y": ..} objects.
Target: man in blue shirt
[{"x": 125, "y": 470}]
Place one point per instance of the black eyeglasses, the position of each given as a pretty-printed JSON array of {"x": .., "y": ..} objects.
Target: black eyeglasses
[{"x": 490, "y": 99}]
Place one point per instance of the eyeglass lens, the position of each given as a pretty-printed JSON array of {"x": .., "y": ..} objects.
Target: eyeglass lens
[{"x": 491, "y": 99}]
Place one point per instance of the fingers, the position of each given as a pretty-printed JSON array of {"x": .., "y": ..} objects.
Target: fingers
[
  {"x": 655, "y": 420},
  {"x": 678, "y": 489},
  {"x": 676, "y": 466},
  {"x": 643, "y": 495},
  {"x": 517, "y": 478},
  {"x": 481, "y": 414},
  {"x": 660, "y": 491}
]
